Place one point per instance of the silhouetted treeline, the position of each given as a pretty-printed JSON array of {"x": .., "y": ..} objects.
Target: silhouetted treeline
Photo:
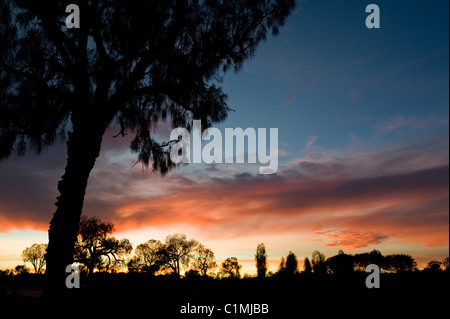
[
  {"x": 96, "y": 250},
  {"x": 343, "y": 263}
]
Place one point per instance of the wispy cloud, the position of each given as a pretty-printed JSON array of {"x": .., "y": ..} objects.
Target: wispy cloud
[
  {"x": 355, "y": 96},
  {"x": 311, "y": 142},
  {"x": 292, "y": 95},
  {"x": 351, "y": 240},
  {"x": 400, "y": 122}
]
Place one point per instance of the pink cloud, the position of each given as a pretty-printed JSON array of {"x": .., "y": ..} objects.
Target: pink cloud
[
  {"x": 352, "y": 240},
  {"x": 311, "y": 142},
  {"x": 398, "y": 122}
]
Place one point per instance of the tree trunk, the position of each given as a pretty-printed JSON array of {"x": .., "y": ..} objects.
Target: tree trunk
[{"x": 83, "y": 148}]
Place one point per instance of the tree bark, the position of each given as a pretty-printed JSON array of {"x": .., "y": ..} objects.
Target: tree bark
[{"x": 83, "y": 148}]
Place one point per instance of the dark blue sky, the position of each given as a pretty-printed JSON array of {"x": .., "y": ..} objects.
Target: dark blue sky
[{"x": 327, "y": 75}]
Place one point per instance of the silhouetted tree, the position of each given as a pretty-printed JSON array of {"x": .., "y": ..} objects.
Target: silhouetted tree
[
  {"x": 131, "y": 62},
  {"x": 291, "y": 264},
  {"x": 192, "y": 274},
  {"x": 204, "y": 260},
  {"x": 147, "y": 257},
  {"x": 434, "y": 265},
  {"x": 36, "y": 256},
  {"x": 21, "y": 269},
  {"x": 261, "y": 261},
  {"x": 319, "y": 263},
  {"x": 6, "y": 273},
  {"x": 375, "y": 257},
  {"x": 95, "y": 249},
  {"x": 282, "y": 266},
  {"x": 341, "y": 264},
  {"x": 231, "y": 267},
  {"x": 446, "y": 263},
  {"x": 361, "y": 261},
  {"x": 307, "y": 269},
  {"x": 177, "y": 250},
  {"x": 399, "y": 263}
]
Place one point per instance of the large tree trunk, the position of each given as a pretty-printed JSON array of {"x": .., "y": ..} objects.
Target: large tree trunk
[{"x": 83, "y": 148}]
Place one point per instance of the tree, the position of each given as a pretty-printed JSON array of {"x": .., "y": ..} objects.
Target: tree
[
  {"x": 192, "y": 274},
  {"x": 261, "y": 261},
  {"x": 375, "y": 257},
  {"x": 204, "y": 260},
  {"x": 177, "y": 251},
  {"x": 446, "y": 263},
  {"x": 434, "y": 266},
  {"x": 291, "y": 264},
  {"x": 361, "y": 261},
  {"x": 21, "y": 269},
  {"x": 341, "y": 264},
  {"x": 231, "y": 268},
  {"x": 318, "y": 263},
  {"x": 95, "y": 249},
  {"x": 282, "y": 266},
  {"x": 36, "y": 256},
  {"x": 147, "y": 257},
  {"x": 133, "y": 63},
  {"x": 307, "y": 269},
  {"x": 400, "y": 263}
]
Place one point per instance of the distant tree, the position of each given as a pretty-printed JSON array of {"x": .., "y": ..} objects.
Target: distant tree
[
  {"x": 434, "y": 266},
  {"x": 231, "y": 268},
  {"x": 6, "y": 273},
  {"x": 282, "y": 266},
  {"x": 95, "y": 249},
  {"x": 375, "y": 257},
  {"x": 36, "y": 256},
  {"x": 341, "y": 264},
  {"x": 307, "y": 268},
  {"x": 21, "y": 269},
  {"x": 446, "y": 263},
  {"x": 192, "y": 274},
  {"x": 133, "y": 63},
  {"x": 204, "y": 260},
  {"x": 261, "y": 261},
  {"x": 147, "y": 257},
  {"x": 319, "y": 263},
  {"x": 361, "y": 261},
  {"x": 176, "y": 251},
  {"x": 400, "y": 263},
  {"x": 291, "y": 264}
]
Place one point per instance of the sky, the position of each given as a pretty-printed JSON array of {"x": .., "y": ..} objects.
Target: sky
[{"x": 363, "y": 131}]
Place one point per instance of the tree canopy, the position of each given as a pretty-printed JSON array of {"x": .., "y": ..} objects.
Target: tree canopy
[
  {"x": 318, "y": 262},
  {"x": 231, "y": 268},
  {"x": 95, "y": 248},
  {"x": 147, "y": 257},
  {"x": 132, "y": 64},
  {"x": 204, "y": 260},
  {"x": 291, "y": 264},
  {"x": 177, "y": 251},
  {"x": 36, "y": 256},
  {"x": 261, "y": 260},
  {"x": 307, "y": 268}
]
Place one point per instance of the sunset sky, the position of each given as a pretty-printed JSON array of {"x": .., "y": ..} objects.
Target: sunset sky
[{"x": 363, "y": 122}]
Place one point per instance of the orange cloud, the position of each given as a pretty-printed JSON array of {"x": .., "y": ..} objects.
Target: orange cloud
[{"x": 352, "y": 240}]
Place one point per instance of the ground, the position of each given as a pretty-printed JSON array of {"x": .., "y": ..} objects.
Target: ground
[{"x": 164, "y": 297}]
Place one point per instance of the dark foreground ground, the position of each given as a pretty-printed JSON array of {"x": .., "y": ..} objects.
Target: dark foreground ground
[{"x": 400, "y": 295}]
